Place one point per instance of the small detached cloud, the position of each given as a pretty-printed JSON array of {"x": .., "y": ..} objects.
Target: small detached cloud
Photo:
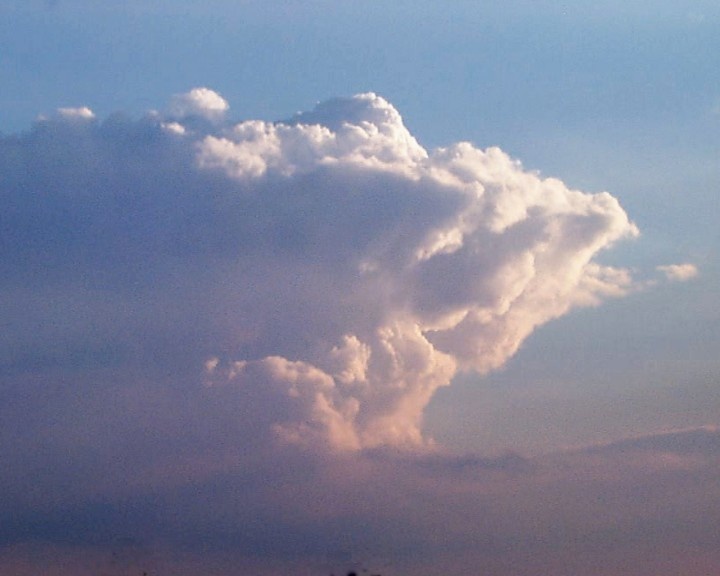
[
  {"x": 679, "y": 272},
  {"x": 82, "y": 113},
  {"x": 201, "y": 102}
]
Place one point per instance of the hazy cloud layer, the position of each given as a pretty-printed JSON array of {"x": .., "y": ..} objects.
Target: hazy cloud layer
[{"x": 647, "y": 505}]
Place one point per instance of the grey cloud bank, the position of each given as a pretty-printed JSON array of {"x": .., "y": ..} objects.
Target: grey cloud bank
[{"x": 221, "y": 338}]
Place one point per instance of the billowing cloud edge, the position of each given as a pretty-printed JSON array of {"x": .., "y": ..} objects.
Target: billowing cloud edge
[
  {"x": 371, "y": 389},
  {"x": 406, "y": 265}
]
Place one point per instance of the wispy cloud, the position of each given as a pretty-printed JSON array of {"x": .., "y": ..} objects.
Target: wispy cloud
[{"x": 679, "y": 272}]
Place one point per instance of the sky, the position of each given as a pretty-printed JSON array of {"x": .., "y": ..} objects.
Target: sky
[{"x": 392, "y": 287}]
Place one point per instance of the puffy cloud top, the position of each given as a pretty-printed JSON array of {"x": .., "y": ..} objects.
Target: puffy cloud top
[
  {"x": 364, "y": 131},
  {"x": 81, "y": 113},
  {"x": 328, "y": 272},
  {"x": 199, "y": 102}
]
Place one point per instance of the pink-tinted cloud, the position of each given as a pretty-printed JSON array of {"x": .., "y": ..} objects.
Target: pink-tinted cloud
[
  {"x": 464, "y": 289},
  {"x": 331, "y": 245},
  {"x": 679, "y": 272},
  {"x": 220, "y": 340}
]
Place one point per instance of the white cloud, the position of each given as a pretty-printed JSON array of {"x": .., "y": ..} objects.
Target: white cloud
[
  {"x": 679, "y": 272},
  {"x": 327, "y": 270},
  {"x": 508, "y": 252},
  {"x": 201, "y": 102},
  {"x": 377, "y": 140},
  {"x": 83, "y": 113},
  {"x": 174, "y": 128}
]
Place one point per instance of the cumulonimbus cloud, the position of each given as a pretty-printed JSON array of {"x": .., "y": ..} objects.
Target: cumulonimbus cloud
[
  {"x": 454, "y": 288},
  {"x": 329, "y": 270}
]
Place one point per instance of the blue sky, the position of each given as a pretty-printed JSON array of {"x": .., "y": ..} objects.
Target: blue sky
[{"x": 166, "y": 275}]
